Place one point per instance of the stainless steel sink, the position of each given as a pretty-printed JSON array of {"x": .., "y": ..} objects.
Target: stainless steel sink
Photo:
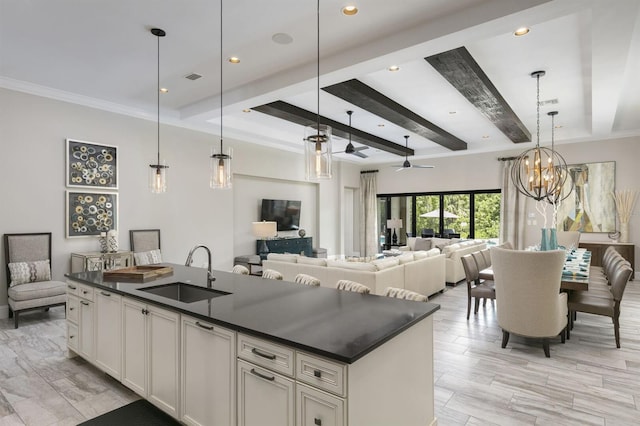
[{"x": 182, "y": 292}]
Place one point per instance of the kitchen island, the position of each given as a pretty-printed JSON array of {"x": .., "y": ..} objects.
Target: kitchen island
[{"x": 260, "y": 351}]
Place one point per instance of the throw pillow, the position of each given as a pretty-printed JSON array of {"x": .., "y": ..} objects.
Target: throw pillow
[
  {"x": 450, "y": 249},
  {"x": 148, "y": 257},
  {"x": 356, "y": 266},
  {"x": 405, "y": 258},
  {"x": 411, "y": 243},
  {"x": 291, "y": 258},
  {"x": 312, "y": 261},
  {"x": 422, "y": 244},
  {"x": 29, "y": 272}
]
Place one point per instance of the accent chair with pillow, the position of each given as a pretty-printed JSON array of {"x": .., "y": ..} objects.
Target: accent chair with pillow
[
  {"x": 145, "y": 245},
  {"x": 29, "y": 283}
]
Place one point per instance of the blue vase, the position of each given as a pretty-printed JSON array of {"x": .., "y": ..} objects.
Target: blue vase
[
  {"x": 553, "y": 239},
  {"x": 544, "y": 242}
]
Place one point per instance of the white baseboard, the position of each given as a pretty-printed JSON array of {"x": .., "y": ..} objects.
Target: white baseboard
[{"x": 4, "y": 311}]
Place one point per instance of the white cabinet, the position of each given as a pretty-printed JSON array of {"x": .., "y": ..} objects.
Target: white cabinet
[
  {"x": 108, "y": 343},
  {"x": 208, "y": 374},
  {"x": 86, "y": 343},
  {"x": 265, "y": 398},
  {"x": 151, "y": 354},
  {"x": 317, "y": 408}
]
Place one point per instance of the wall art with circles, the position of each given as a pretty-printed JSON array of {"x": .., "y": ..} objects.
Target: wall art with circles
[
  {"x": 91, "y": 165},
  {"x": 91, "y": 213}
]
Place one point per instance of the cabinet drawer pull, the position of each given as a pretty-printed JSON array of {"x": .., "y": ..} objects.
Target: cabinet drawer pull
[
  {"x": 145, "y": 311},
  {"x": 84, "y": 303},
  {"x": 71, "y": 308},
  {"x": 317, "y": 421},
  {"x": 317, "y": 373},
  {"x": 105, "y": 294},
  {"x": 71, "y": 287},
  {"x": 263, "y": 354},
  {"x": 262, "y": 376},
  {"x": 206, "y": 327},
  {"x": 84, "y": 292},
  {"x": 71, "y": 336}
]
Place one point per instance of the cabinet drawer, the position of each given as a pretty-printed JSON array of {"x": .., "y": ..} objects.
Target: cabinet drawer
[
  {"x": 85, "y": 291},
  {"x": 317, "y": 408},
  {"x": 72, "y": 336},
  {"x": 72, "y": 287},
  {"x": 273, "y": 356},
  {"x": 321, "y": 373},
  {"x": 72, "y": 308}
]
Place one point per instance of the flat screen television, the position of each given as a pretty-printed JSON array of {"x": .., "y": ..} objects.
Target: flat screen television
[{"x": 286, "y": 213}]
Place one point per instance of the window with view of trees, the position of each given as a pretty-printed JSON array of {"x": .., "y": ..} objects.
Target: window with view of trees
[{"x": 470, "y": 214}]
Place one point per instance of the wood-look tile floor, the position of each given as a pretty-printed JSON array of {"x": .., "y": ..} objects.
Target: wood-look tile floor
[{"x": 587, "y": 381}]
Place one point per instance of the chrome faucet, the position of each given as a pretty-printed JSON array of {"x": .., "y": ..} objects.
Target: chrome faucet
[{"x": 210, "y": 277}]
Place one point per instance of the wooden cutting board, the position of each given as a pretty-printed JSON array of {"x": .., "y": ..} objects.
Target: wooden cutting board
[{"x": 140, "y": 273}]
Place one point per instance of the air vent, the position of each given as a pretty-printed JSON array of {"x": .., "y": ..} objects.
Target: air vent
[
  {"x": 193, "y": 76},
  {"x": 549, "y": 102}
]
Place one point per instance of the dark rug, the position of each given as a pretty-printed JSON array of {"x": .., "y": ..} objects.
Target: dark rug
[{"x": 137, "y": 413}]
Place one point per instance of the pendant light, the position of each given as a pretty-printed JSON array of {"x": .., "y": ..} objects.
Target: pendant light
[
  {"x": 220, "y": 161},
  {"x": 561, "y": 174},
  {"x": 537, "y": 179},
  {"x": 317, "y": 137},
  {"x": 158, "y": 171}
]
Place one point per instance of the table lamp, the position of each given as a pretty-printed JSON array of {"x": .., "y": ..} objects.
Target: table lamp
[
  {"x": 264, "y": 230},
  {"x": 393, "y": 224}
]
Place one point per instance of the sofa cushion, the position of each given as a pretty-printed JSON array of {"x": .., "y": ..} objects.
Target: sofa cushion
[
  {"x": 356, "y": 266},
  {"x": 405, "y": 258},
  {"x": 448, "y": 250},
  {"x": 382, "y": 264},
  {"x": 29, "y": 272},
  {"x": 411, "y": 243},
  {"x": 312, "y": 261},
  {"x": 440, "y": 243},
  {"x": 280, "y": 257},
  {"x": 148, "y": 257},
  {"x": 422, "y": 244}
]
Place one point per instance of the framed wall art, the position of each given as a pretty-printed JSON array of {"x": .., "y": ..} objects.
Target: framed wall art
[
  {"x": 91, "y": 165},
  {"x": 91, "y": 213},
  {"x": 590, "y": 207}
]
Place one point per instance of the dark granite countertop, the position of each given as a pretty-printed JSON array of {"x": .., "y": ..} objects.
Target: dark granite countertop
[{"x": 340, "y": 325}]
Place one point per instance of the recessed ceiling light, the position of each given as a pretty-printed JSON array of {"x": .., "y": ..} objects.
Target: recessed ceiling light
[
  {"x": 521, "y": 31},
  {"x": 393, "y": 68},
  {"x": 558, "y": 126},
  {"x": 485, "y": 136},
  {"x": 282, "y": 38},
  {"x": 164, "y": 90},
  {"x": 349, "y": 10},
  {"x": 246, "y": 110},
  {"x": 234, "y": 60},
  {"x": 453, "y": 112},
  {"x": 381, "y": 125}
]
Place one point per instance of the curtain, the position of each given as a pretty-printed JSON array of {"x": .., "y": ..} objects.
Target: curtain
[
  {"x": 369, "y": 222},
  {"x": 513, "y": 215}
]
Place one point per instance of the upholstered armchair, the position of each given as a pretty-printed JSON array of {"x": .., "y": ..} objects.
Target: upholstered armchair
[
  {"x": 528, "y": 298},
  {"x": 29, "y": 283},
  {"x": 145, "y": 245}
]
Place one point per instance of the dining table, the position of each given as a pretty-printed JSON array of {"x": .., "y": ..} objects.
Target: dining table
[{"x": 575, "y": 271}]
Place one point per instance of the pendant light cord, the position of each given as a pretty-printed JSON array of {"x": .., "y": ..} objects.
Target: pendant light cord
[
  {"x": 158, "y": 99},
  {"x": 221, "y": 61},
  {"x": 538, "y": 110},
  {"x": 318, "y": 67}
]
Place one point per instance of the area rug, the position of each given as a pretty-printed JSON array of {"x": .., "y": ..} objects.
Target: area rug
[{"x": 137, "y": 413}]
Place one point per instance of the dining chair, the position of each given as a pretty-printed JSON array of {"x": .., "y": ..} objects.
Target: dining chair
[
  {"x": 401, "y": 293},
  {"x": 427, "y": 233},
  {"x": 145, "y": 245},
  {"x": 29, "y": 279},
  {"x": 353, "y": 286},
  {"x": 568, "y": 239},
  {"x": 307, "y": 280},
  {"x": 476, "y": 289},
  {"x": 240, "y": 269},
  {"x": 584, "y": 301},
  {"x": 271, "y": 274},
  {"x": 528, "y": 298}
]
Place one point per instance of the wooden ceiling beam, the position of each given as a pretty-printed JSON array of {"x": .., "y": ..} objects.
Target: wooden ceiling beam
[
  {"x": 356, "y": 92},
  {"x": 459, "y": 68},
  {"x": 294, "y": 114}
]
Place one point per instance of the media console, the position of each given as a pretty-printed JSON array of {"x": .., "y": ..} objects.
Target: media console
[{"x": 295, "y": 245}]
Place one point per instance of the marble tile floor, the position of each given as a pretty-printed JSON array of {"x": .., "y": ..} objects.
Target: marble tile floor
[{"x": 587, "y": 381}]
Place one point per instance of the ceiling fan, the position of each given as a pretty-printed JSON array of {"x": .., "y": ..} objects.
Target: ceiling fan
[
  {"x": 407, "y": 165},
  {"x": 350, "y": 149}
]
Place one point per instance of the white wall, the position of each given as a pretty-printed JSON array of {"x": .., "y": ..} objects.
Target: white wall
[{"x": 32, "y": 171}]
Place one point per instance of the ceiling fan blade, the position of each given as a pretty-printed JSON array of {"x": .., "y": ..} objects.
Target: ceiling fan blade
[
  {"x": 359, "y": 154},
  {"x": 421, "y": 166},
  {"x": 361, "y": 148}
]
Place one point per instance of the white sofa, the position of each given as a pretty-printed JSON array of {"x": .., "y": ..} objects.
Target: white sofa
[
  {"x": 422, "y": 272},
  {"x": 452, "y": 249}
]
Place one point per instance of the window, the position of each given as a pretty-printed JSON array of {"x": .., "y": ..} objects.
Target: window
[{"x": 463, "y": 214}]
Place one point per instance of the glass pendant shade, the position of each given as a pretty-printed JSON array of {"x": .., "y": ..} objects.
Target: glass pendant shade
[
  {"x": 317, "y": 152},
  {"x": 221, "y": 168},
  {"x": 158, "y": 177}
]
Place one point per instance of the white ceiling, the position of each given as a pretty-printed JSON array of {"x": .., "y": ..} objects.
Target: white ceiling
[{"x": 101, "y": 53}]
